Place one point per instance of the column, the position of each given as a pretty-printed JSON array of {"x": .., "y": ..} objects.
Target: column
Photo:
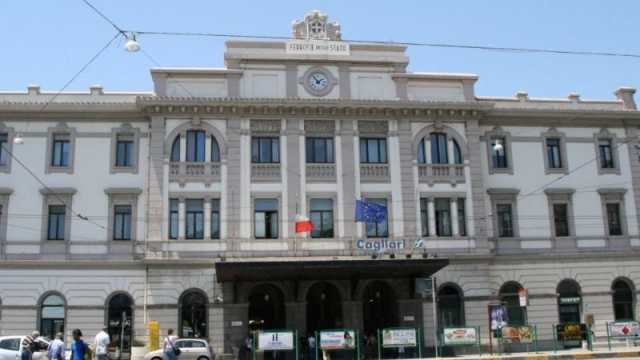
[
  {"x": 233, "y": 176},
  {"x": 348, "y": 177},
  {"x": 156, "y": 198},
  {"x": 478, "y": 211},
  {"x": 181, "y": 219},
  {"x": 399, "y": 156},
  {"x": 293, "y": 172},
  {"x": 454, "y": 217},
  {"x": 432, "y": 216},
  {"x": 410, "y": 208},
  {"x": 207, "y": 218}
]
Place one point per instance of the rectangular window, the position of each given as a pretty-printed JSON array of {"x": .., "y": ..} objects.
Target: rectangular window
[
  {"x": 4, "y": 145},
  {"x": 380, "y": 229},
  {"x": 122, "y": 222},
  {"x": 61, "y": 151},
  {"x": 55, "y": 229},
  {"x": 319, "y": 150},
  {"x": 505, "y": 220},
  {"x": 174, "y": 218},
  {"x": 606, "y": 154},
  {"x": 124, "y": 151},
  {"x": 443, "y": 216},
  {"x": 499, "y": 153},
  {"x": 194, "y": 219},
  {"x": 554, "y": 155},
  {"x": 462, "y": 217},
  {"x": 373, "y": 150},
  {"x": 265, "y": 150},
  {"x": 266, "y": 218},
  {"x": 561, "y": 219},
  {"x": 321, "y": 215},
  {"x": 215, "y": 218},
  {"x": 195, "y": 145},
  {"x": 614, "y": 219},
  {"x": 439, "y": 148},
  {"x": 424, "y": 216}
]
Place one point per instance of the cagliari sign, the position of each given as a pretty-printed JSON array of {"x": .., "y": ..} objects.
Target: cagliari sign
[
  {"x": 318, "y": 47},
  {"x": 385, "y": 244}
]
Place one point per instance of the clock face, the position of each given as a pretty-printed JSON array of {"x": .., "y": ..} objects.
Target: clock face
[{"x": 317, "y": 81}]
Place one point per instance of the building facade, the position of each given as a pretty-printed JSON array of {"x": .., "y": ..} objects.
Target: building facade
[{"x": 179, "y": 205}]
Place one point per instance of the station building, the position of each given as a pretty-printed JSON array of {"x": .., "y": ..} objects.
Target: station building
[{"x": 178, "y": 205}]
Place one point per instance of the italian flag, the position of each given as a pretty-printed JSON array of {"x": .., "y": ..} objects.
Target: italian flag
[{"x": 303, "y": 224}]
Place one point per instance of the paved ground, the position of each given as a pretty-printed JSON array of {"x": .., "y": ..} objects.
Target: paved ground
[{"x": 626, "y": 353}]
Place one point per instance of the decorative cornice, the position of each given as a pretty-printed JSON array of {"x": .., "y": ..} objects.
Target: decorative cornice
[{"x": 312, "y": 107}]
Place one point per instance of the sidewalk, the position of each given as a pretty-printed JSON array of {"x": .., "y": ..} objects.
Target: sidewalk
[{"x": 559, "y": 355}]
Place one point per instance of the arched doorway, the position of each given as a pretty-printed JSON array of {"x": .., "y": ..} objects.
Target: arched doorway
[
  {"x": 324, "y": 307},
  {"x": 450, "y": 306},
  {"x": 120, "y": 321},
  {"x": 193, "y": 314},
  {"x": 569, "y": 301},
  {"x": 379, "y": 307},
  {"x": 623, "y": 300},
  {"x": 266, "y": 308},
  {"x": 52, "y": 315},
  {"x": 516, "y": 314}
]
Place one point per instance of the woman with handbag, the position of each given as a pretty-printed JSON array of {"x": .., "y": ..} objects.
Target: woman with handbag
[{"x": 169, "y": 348}]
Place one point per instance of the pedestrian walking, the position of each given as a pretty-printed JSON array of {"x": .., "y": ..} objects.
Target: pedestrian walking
[
  {"x": 311, "y": 346},
  {"x": 79, "y": 348},
  {"x": 168, "y": 346},
  {"x": 56, "y": 348},
  {"x": 102, "y": 341},
  {"x": 31, "y": 344}
]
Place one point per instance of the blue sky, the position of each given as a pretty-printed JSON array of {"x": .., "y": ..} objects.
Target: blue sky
[{"x": 45, "y": 42}]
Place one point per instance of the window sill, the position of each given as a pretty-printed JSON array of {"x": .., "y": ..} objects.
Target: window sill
[
  {"x": 59, "y": 170},
  {"x": 549, "y": 171},
  {"x": 124, "y": 170},
  {"x": 608, "y": 171},
  {"x": 498, "y": 171}
]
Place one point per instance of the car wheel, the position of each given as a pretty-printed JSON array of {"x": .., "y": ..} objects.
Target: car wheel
[{"x": 203, "y": 358}]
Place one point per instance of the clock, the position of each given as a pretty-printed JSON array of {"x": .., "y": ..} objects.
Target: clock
[{"x": 318, "y": 81}]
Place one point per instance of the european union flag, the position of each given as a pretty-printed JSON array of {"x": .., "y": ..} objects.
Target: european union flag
[{"x": 370, "y": 212}]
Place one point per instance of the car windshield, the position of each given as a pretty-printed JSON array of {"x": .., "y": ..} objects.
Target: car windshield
[{"x": 10, "y": 344}]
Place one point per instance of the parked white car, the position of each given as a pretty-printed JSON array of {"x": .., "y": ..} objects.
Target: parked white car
[
  {"x": 11, "y": 347},
  {"x": 190, "y": 349}
]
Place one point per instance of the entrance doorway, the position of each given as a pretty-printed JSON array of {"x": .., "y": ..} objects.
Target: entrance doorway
[
  {"x": 120, "y": 323},
  {"x": 266, "y": 308},
  {"x": 569, "y": 302},
  {"x": 324, "y": 307},
  {"x": 379, "y": 307},
  {"x": 193, "y": 314}
]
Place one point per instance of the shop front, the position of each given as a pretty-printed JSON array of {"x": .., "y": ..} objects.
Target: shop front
[{"x": 313, "y": 295}]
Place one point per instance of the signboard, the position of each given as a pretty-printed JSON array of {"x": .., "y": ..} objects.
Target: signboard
[
  {"x": 460, "y": 336},
  {"x": 517, "y": 334},
  {"x": 275, "y": 340},
  {"x": 570, "y": 300},
  {"x": 424, "y": 287},
  {"x": 337, "y": 339},
  {"x": 381, "y": 245},
  {"x": 318, "y": 47},
  {"x": 399, "y": 338},
  {"x": 523, "y": 297},
  {"x": 497, "y": 316},
  {"x": 624, "y": 329},
  {"x": 571, "y": 332}
]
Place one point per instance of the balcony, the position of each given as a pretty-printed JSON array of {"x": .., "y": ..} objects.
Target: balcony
[
  {"x": 375, "y": 173},
  {"x": 320, "y": 173},
  {"x": 441, "y": 173},
  {"x": 265, "y": 172},
  {"x": 184, "y": 172}
]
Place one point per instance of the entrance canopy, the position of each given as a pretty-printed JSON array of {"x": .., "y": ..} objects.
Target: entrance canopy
[{"x": 326, "y": 269}]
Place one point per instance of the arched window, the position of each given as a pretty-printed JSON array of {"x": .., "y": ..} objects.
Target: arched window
[
  {"x": 569, "y": 301},
  {"x": 422, "y": 153},
  {"x": 120, "y": 321},
  {"x": 52, "y": 312},
  {"x": 193, "y": 314},
  {"x": 175, "y": 149},
  {"x": 516, "y": 315},
  {"x": 215, "y": 150},
  {"x": 457, "y": 154},
  {"x": 195, "y": 145},
  {"x": 450, "y": 306},
  {"x": 623, "y": 300},
  {"x": 266, "y": 308}
]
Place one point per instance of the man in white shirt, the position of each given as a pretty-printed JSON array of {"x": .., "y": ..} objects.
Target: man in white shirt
[{"x": 102, "y": 343}]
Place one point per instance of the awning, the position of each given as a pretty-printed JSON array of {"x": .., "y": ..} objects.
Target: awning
[{"x": 230, "y": 270}]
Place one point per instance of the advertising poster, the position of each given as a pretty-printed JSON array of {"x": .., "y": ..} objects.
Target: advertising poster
[
  {"x": 497, "y": 317},
  {"x": 337, "y": 340},
  {"x": 275, "y": 340},
  {"x": 571, "y": 332},
  {"x": 624, "y": 329},
  {"x": 460, "y": 336},
  {"x": 399, "y": 338},
  {"x": 517, "y": 334}
]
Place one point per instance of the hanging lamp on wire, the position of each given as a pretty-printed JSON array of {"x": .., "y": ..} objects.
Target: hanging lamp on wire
[{"x": 132, "y": 45}]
